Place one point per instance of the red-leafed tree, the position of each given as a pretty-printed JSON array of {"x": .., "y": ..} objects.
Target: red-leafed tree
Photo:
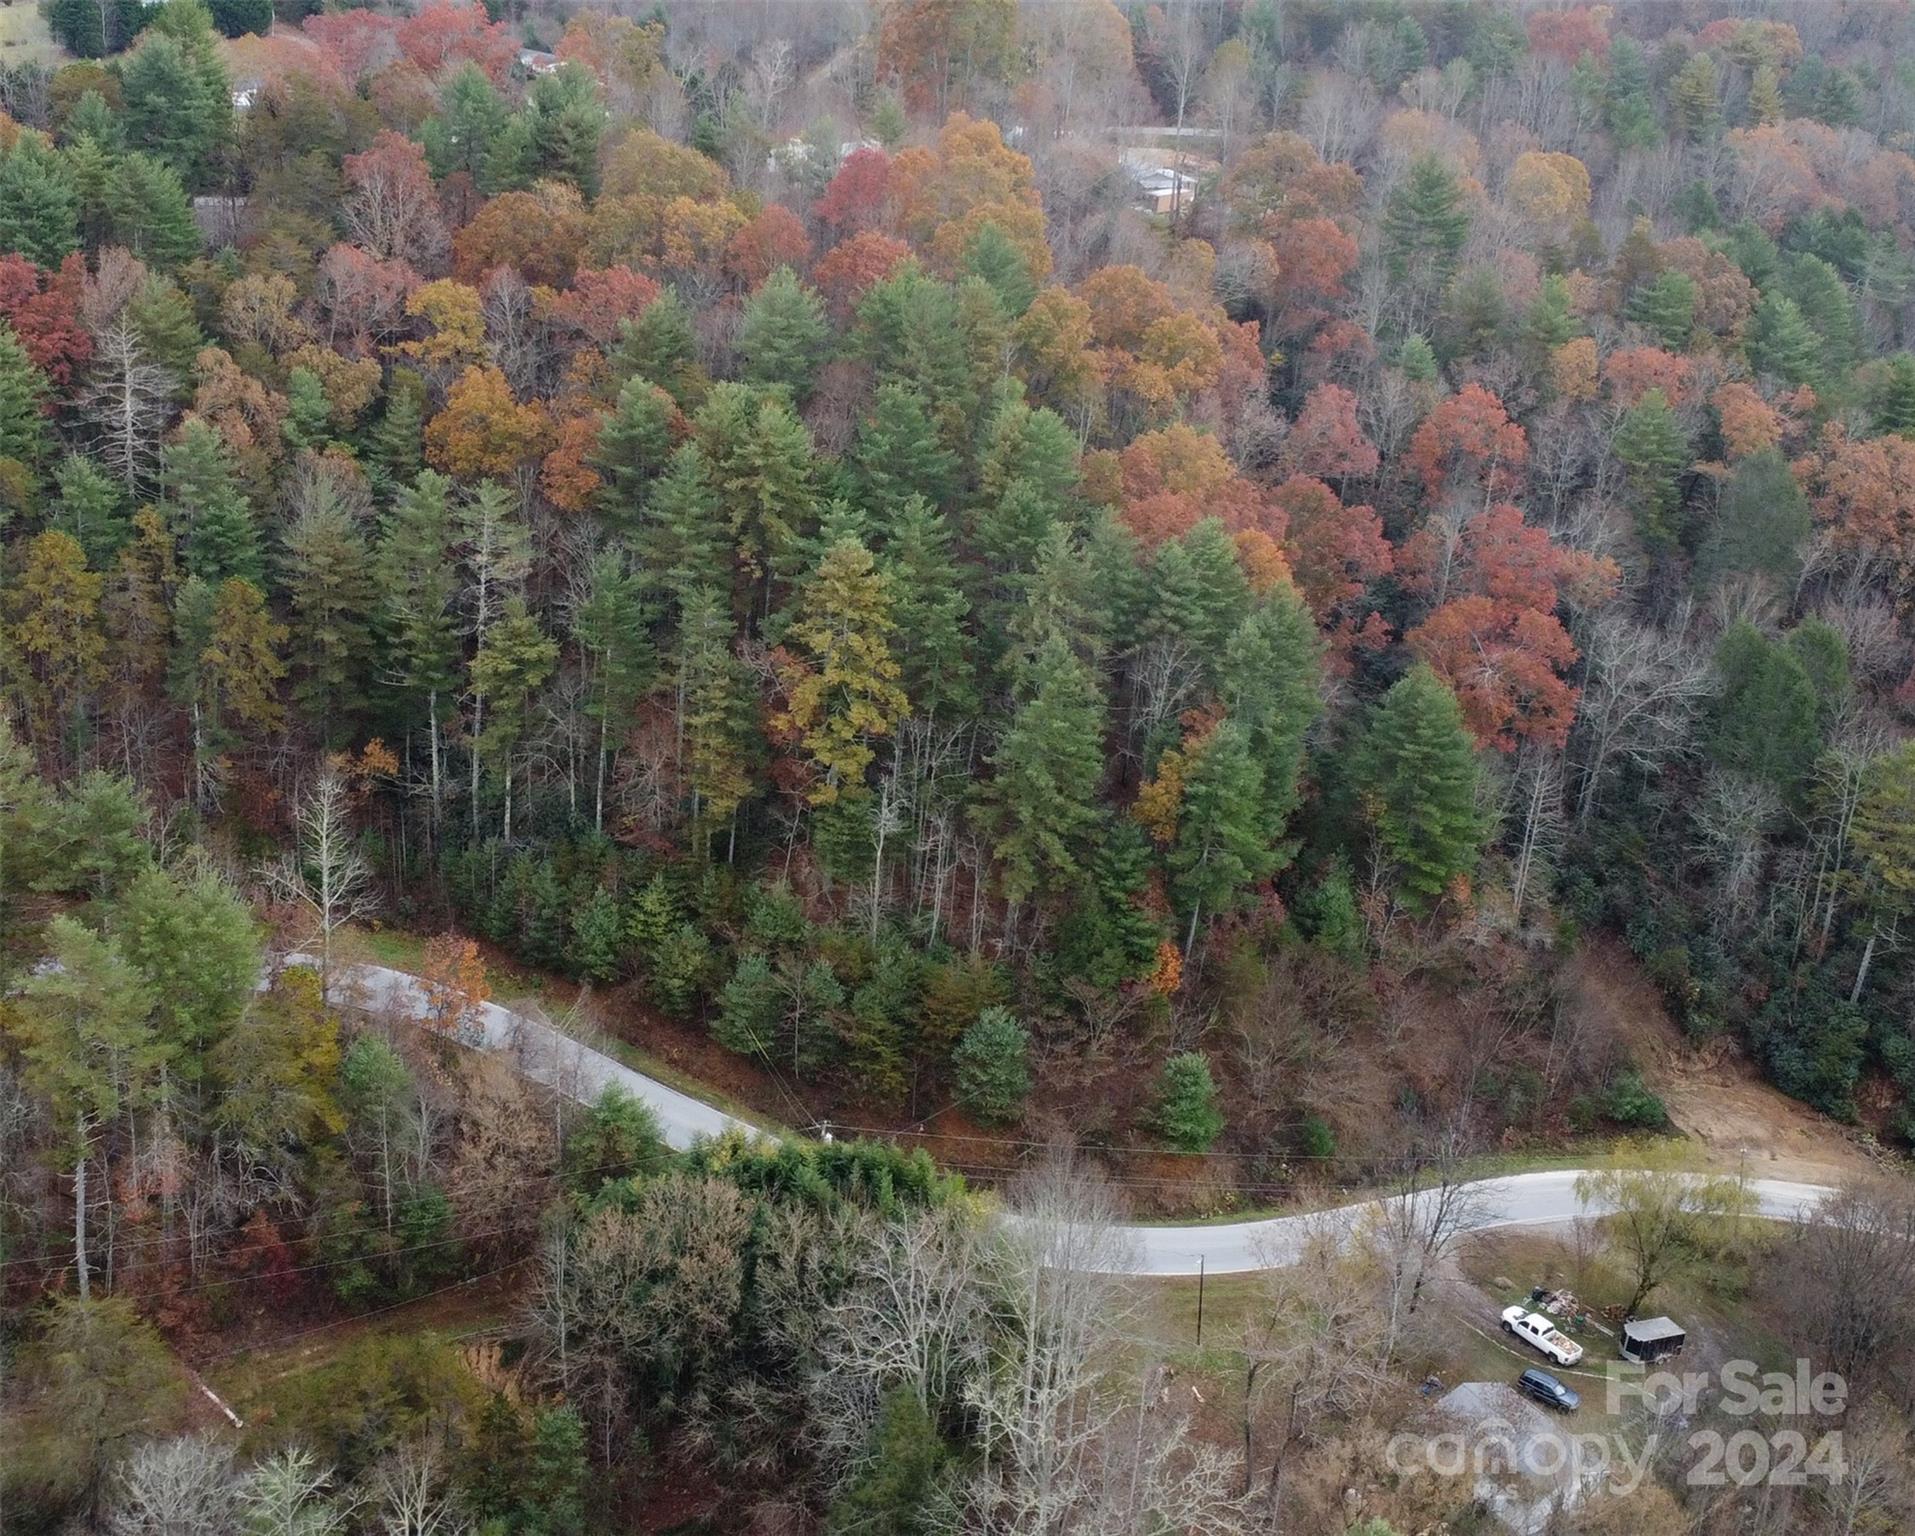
[
  {"x": 1499, "y": 555},
  {"x": 1567, "y": 35},
  {"x": 1468, "y": 446},
  {"x": 1335, "y": 551},
  {"x": 848, "y": 269},
  {"x": 440, "y": 34},
  {"x": 392, "y": 211},
  {"x": 359, "y": 42},
  {"x": 859, "y": 195},
  {"x": 44, "y": 310},
  {"x": 1494, "y": 636},
  {"x": 1326, "y": 440},
  {"x": 1504, "y": 664},
  {"x": 772, "y": 238},
  {"x": 359, "y": 295},
  {"x": 601, "y": 299}
]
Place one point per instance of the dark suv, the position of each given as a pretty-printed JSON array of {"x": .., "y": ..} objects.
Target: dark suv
[{"x": 1548, "y": 1391}]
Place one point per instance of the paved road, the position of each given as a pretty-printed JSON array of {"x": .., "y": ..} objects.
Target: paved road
[
  {"x": 1516, "y": 1200},
  {"x": 548, "y": 1056},
  {"x": 542, "y": 1053}
]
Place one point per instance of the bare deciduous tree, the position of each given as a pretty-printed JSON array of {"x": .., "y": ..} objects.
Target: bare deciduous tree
[
  {"x": 1844, "y": 1275},
  {"x": 1316, "y": 1346},
  {"x": 127, "y": 400},
  {"x": 182, "y": 1487},
  {"x": 325, "y": 873}
]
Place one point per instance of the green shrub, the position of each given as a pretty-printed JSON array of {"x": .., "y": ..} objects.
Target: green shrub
[
  {"x": 992, "y": 1062},
  {"x": 1187, "y": 1112}
]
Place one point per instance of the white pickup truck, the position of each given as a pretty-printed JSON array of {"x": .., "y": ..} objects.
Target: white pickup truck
[{"x": 1540, "y": 1333}]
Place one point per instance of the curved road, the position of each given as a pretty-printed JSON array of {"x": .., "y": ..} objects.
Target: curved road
[{"x": 549, "y": 1056}]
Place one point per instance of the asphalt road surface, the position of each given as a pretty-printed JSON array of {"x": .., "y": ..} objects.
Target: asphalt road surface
[{"x": 549, "y": 1056}]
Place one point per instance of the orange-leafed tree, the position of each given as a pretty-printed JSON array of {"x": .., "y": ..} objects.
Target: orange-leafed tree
[
  {"x": 1505, "y": 666},
  {"x": 453, "y": 986},
  {"x": 938, "y": 50},
  {"x": 539, "y": 234},
  {"x": 483, "y": 433},
  {"x": 1632, "y": 372},
  {"x": 1749, "y": 424},
  {"x": 847, "y": 270},
  {"x": 772, "y": 238}
]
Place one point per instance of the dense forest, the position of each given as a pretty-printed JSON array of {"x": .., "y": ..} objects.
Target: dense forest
[{"x": 1156, "y": 572}]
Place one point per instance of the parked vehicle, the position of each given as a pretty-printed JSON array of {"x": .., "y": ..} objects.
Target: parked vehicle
[
  {"x": 1541, "y": 1334},
  {"x": 1547, "y": 1390}
]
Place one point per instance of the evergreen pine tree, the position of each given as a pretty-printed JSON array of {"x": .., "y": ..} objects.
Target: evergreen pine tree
[
  {"x": 609, "y": 626},
  {"x": 1695, "y": 97},
  {"x": 1764, "y": 722},
  {"x": 176, "y": 108},
  {"x": 654, "y": 914},
  {"x": 1895, "y": 406},
  {"x": 898, "y": 455},
  {"x": 1762, "y": 522},
  {"x": 1418, "y": 774},
  {"x": 634, "y": 446},
  {"x": 1270, "y": 679},
  {"x": 397, "y": 448},
  {"x": 899, "y": 1481},
  {"x": 206, "y": 509},
  {"x": 1220, "y": 848},
  {"x": 748, "y": 1007},
  {"x": 930, "y": 608},
  {"x": 163, "y": 320},
  {"x": 90, "y": 509},
  {"x": 564, "y": 120},
  {"x": 1110, "y": 937},
  {"x": 465, "y": 133},
  {"x": 329, "y": 578},
  {"x": 845, "y": 692},
  {"x": 595, "y": 948},
  {"x": 681, "y": 545},
  {"x": 1666, "y": 306},
  {"x": 991, "y": 1066},
  {"x": 659, "y": 346},
  {"x": 1425, "y": 223},
  {"x": 308, "y": 422},
  {"x": 1187, "y": 1112},
  {"x": 1628, "y": 106},
  {"x": 1047, "y": 770},
  {"x": 418, "y": 586},
  {"x": 1827, "y": 307},
  {"x": 782, "y": 334},
  {"x": 1783, "y": 343},
  {"x": 23, "y": 392},
  {"x": 150, "y": 211},
  {"x": 991, "y": 257},
  {"x": 39, "y": 208},
  {"x": 1654, "y": 449}
]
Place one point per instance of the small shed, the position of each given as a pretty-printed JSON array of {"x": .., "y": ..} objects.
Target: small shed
[{"x": 1649, "y": 1339}]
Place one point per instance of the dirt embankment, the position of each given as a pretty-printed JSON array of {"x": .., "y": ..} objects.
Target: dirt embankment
[{"x": 1713, "y": 1092}]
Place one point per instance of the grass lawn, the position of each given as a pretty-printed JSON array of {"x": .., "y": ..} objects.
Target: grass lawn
[{"x": 24, "y": 38}]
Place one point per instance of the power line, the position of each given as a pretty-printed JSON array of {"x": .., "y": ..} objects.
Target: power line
[{"x": 360, "y": 1317}]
